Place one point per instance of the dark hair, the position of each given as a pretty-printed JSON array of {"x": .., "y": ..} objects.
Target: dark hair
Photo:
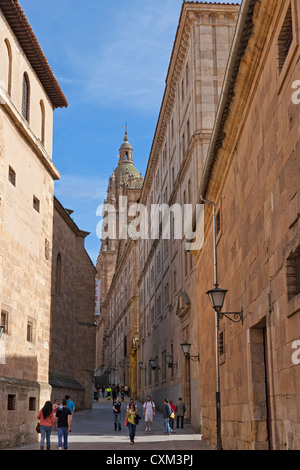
[
  {"x": 132, "y": 405},
  {"x": 47, "y": 410},
  {"x": 67, "y": 397},
  {"x": 64, "y": 402}
]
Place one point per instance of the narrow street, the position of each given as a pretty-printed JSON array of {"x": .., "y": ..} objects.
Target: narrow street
[{"x": 94, "y": 430}]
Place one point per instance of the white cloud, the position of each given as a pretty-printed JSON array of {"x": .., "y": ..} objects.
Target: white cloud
[{"x": 129, "y": 66}]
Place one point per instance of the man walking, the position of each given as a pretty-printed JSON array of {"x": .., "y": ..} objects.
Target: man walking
[
  {"x": 71, "y": 407},
  {"x": 180, "y": 412},
  {"x": 63, "y": 418},
  {"x": 117, "y": 413},
  {"x": 149, "y": 413},
  {"x": 167, "y": 413}
]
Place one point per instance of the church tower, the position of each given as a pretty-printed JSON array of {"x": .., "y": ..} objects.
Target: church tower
[{"x": 126, "y": 181}]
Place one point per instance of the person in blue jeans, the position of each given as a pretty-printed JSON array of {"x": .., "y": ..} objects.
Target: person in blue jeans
[
  {"x": 117, "y": 413},
  {"x": 167, "y": 413},
  {"x": 63, "y": 416}
]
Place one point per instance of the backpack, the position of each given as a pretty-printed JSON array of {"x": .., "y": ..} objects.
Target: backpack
[{"x": 151, "y": 404}]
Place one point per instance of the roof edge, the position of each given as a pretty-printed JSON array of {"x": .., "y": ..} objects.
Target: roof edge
[{"x": 27, "y": 39}]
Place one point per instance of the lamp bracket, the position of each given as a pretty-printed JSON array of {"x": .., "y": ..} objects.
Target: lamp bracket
[
  {"x": 235, "y": 317},
  {"x": 195, "y": 358}
]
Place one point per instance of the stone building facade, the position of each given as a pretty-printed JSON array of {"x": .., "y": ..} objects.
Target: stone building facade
[
  {"x": 29, "y": 93},
  {"x": 252, "y": 176},
  {"x": 117, "y": 325},
  {"x": 168, "y": 310},
  {"x": 73, "y": 327}
]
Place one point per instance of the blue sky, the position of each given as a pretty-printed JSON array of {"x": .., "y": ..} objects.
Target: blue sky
[{"x": 111, "y": 59}]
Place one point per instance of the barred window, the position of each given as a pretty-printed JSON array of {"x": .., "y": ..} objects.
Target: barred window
[
  {"x": 25, "y": 97},
  {"x": 293, "y": 274},
  {"x": 285, "y": 38}
]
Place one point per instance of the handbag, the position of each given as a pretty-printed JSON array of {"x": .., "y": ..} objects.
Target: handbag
[
  {"x": 126, "y": 422},
  {"x": 38, "y": 428},
  {"x": 137, "y": 419},
  {"x": 172, "y": 415}
]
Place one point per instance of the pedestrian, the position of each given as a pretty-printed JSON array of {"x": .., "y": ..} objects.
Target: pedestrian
[
  {"x": 63, "y": 417},
  {"x": 172, "y": 417},
  {"x": 108, "y": 392},
  {"x": 103, "y": 391},
  {"x": 46, "y": 418},
  {"x": 149, "y": 413},
  {"x": 131, "y": 413},
  {"x": 55, "y": 408},
  {"x": 114, "y": 392},
  {"x": 166, "y": 414},
  {"x": 180, "y": 412},
  {"x": 71, "y": 407},
  {"x": 132, "y": 401},
  {"x": 117, "y": 413}
]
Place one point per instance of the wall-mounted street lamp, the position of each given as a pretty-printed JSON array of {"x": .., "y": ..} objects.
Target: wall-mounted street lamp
[
  {"x": 217, "y": 297},
  {"x": 169, "y": 359},
  {"x": 186, "y": 351},
  {"x": 141, "y": 366},
  {"x": 153, "y": 365}
]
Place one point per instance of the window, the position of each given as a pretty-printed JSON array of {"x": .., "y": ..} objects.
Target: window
[
  {"x": 218, "y": 222},
  {"x": 25, "y": 97},
  {"x": 187, "y": 75},
  {"x": 163, "y": 365},
  {"x": 4, "y": 321},
  {"x": 58, "y": 274},
  {"x": 156, "y": 372},
  {"x": 285, "y": 38},
  {"x": 125, "y": 346},
  {"x": 221, "y": 343},
  {"x": 32, "y": 404},
  {"x": 30, "y": 331},
  {"x": 293, "y": 274},
  {"x": 11, "y": 402},
  {"x": 9, "y": 76},
  {"x": 42, "y": 122},
  {"x": 36, "y": 204},
  {"x": 188, "y": 131},
  {"x": 12, "y": 176}
]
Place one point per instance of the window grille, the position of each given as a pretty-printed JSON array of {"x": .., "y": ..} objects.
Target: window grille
[
  {"x": 25, "y": 98},
  {"x": 285, "y": 38},
  {"x": 293, "y": 274}
]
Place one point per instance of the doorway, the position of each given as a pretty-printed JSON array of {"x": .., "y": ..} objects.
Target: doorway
[{"x": 260, "y": 380}]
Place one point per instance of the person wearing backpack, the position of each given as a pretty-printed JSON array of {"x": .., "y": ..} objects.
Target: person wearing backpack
[{"x": 149, "y": 413}]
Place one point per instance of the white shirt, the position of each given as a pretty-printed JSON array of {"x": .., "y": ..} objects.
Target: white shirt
[{"x": 149, "y": 407}]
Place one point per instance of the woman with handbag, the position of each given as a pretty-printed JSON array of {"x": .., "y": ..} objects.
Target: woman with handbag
[
  {"x": 46, "y": 418},
  {"x": 131, "y": 413}
]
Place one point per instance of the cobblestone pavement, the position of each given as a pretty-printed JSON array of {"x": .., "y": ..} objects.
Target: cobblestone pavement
[{"x": 94, "y": 430}]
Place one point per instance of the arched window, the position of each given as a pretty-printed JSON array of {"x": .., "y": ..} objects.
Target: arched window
[
  {"x": 9, "y": 72},
  {"x": 42, "y": 122},
  {"x": 25, "y": 97},
  {"x": 58, "y": 274}
]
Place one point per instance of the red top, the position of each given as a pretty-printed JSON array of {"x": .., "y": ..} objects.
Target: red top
[{"x": 46, "y": 422}]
